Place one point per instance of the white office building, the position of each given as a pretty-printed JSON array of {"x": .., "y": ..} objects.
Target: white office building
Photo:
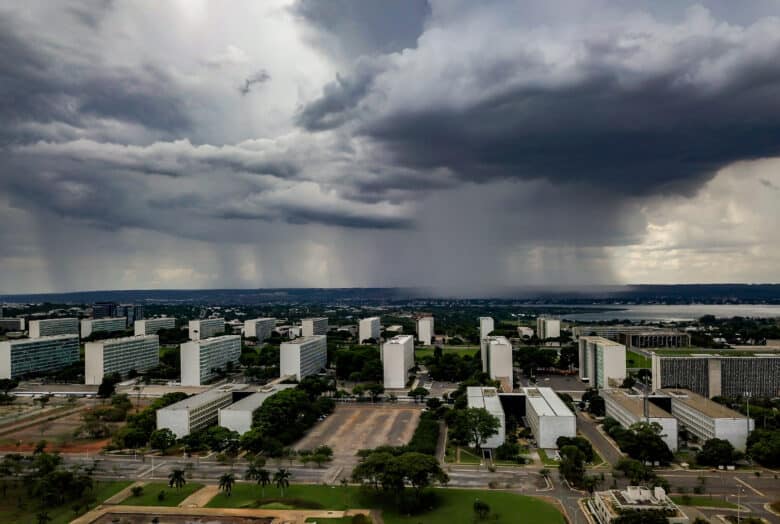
[
  {"x": 548, "y": 417},
  {"x": 487, "y": 398},
  {"x": 32, "y": 355},
  {"x": 608, "y": 506},
  {"x": 120, "y": 355},
  {"x": 369, "y": 328},
  {"x": 201, "y": 358},
  {"x": 314, "y": 326},
  {"x": 53, "y": 326},
  {"x": 196, "y": 412},
  {"x": 497, "y": 361},
  {"x": 238, "y": 416},
  {"x": 602, "y": 362},
  {"x": 486, "y": 326},
  {"x": 630, "y": 409},
  {"x": 707, "y": 419},
  {"x": 525, "y": 332},
  {"x": 206, "y": 328},
  {"x": 12, "y": 324},
  {"x": 425, "y": 330},
  {"x": 260, "y": 328},
  {"x": 150, "y": 326},
  {"x": 548, "y": 328},
  {"x": 397, "y": 359},
  {"x": 303, "y": 356},
  {"x": 102, "y": 325}
]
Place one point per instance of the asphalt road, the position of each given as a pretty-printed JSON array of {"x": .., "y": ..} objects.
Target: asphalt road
[{"x": 603, "y": 446}]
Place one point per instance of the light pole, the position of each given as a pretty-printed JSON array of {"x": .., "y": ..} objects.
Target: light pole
[{"x": 740, "y": 489}]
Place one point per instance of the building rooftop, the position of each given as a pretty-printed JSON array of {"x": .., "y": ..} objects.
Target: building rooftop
[
  {"x": 314, "y": 318},
  {"x": 479, "y": 397},
  {"x": 209, "y": 340},
  {"x": 370, "y": 318},
  {"x": 497, "y": 339},
  {"x": 303, "y": 340},
  {"x": 399, "y": 339},
  {"x": 600, "y": 340},
  {"x": 546, "y": 402},
  {"x": 702, "y": 404},
  {"x": 105, "y": 319},
  {"x": 41, "y": 339},
  {"x": 255, "y": 400},
  {"x": 635, "y": 404},
  {"x": 205, "y": 397},
  {"x": 120, "y": 339}
]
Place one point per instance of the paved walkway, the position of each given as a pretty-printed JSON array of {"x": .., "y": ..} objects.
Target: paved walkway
[
  {"x": 122, "y": 495},
  {"x": 200, "y": 498}
]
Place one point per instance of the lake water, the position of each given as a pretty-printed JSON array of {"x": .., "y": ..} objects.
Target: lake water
[{"x": 659, "y": 313}]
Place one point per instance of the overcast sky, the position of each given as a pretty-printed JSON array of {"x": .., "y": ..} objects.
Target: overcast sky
[{"x": 468, "y": 146}]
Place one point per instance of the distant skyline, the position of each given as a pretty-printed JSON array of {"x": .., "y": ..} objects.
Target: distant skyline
[{"x": 460, "y": 146}]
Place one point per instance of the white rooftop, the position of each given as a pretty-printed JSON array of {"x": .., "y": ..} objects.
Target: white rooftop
[
  {"x": 400, "y": 339},
  {"x": 255, "y": 400},
  {"x": 487, "y": 398},
  {"x": 546, "y": 403}
]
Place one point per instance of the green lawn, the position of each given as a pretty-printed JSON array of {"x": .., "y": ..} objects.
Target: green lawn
[
  {"x": 453, "y": 504},
  {"x": 639, "y": 360},
  {"x": 547, "y": 461},
  {"x": 427, "y": 351},
  {"x": 173, "y": 496},
  {"x": 699, "y": 500},
  {"x": 10, "y": 510}
]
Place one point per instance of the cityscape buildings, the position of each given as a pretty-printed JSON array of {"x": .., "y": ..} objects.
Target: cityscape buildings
[
  {"x": 602, "y": 362},
  {"x": 33, "y": 355},
  {"x": 608, "y": 506},
  {"x": 195, "y": 412},
  {"x": 260, "y": 328},
  {"x": 314, "y": 326},
  {"x": 629, "y": 409},
  {"x": 206, "y": 327},
  {"x": 53, "y": 326},
  {"x": 397, "y": 359},
  {"x": 425, "y": 330},
  {"x": 369, "y": 328},
  {"x": 548, "y": 416},
  {"x": 238, "y": 416},
  {"x": 548, "y": 327},
  {"x": 497, "y": 361},
  {"x": 102, "y": 325},
  {"x": 150, "y": 326},
  {"x": 120, "y": 355},
  {"x": 304, "y": 356},
  {"x": 201, "y": 359}
]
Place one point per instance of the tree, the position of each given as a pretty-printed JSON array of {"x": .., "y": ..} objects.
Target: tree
[
  {"x": 481, "y": 509},
  {"x": 226, "y": 482},
  {"x": 572, "y": 466},
  {"x": 137, "y": 491},
  {"x": 263, "y": 478},
  {"x": 43, "y": 517},
  {"x": 375, "y": 390},
  {"x": 108, "y": 385},
  {"x": 764, "y": 447},
  {"x": 162, "y": 439},
  {"x": 479, "y": 424},
  {"x": 628, "y": 382},
  {"x": 176, "y": 479},
  {"x": 716, "y": 452},
  {"x": 282, "y": 479},
  {"x": 419, "y": 393}
]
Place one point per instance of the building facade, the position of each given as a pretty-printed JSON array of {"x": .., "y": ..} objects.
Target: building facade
[
  {"x": 637, "y": 336},
  {"x": 260, "y": 328},
  {"x": 120, "y": 355},
  {"x": 238, "y": 416},
  {"x": 90, "y": 326},
  {"x": 607, "y": 506},
  {"x": 303, "y": 356},
  {"x": 12, "y": 324},
  {"x": 150, "y": 326},
  {"x": 104, "y": 309},
  {"x": 487, "y": 398},
  {"x": 425, "y": 330},
  {"x": 131, "y": 312},
  {"x": 369, "y": 328},
  {"x": 397, "y": 359},
  {"x": 206, "y": 328},
  {"x": 602, "y": 362},
  {"x": 548, "y": 328},
  {"x": 50, "y": 327},
  {"x": 34, "y": 355},
  {"x": 630, "y": 409},
  {"x": 194, "y": 413},
  {"x": 200, "y": 359},
  {"x": 548, "y": 417},
  {"x": 497, "y": 361},
  {"x": 314, "y": 326}
]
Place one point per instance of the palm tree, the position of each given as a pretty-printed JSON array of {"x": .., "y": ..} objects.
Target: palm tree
[
  {"x": 251, "y": 472},
  {"x": 226, "y": 482},
  {"x": 263, "y": 478},
  {"x": 176, "y": 479},
  {"x": 282, "y": 479}
]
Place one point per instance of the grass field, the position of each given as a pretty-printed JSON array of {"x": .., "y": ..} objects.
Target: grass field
[
  {"x": 547, "y": 461},
  {"x": 427, "y": 351},
  {"x": 18, "y": 508},
  {"x": 173, "y": 496},
  {"x": 639, "y": 360},
  {"x": 698, "y": 500},
  {"x": 453, "y": 504}
]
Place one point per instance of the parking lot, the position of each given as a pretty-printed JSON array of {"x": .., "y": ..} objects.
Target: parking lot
[{"x": 362, "y": 426}]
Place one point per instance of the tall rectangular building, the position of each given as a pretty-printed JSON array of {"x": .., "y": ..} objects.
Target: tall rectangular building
[
  {"x": 200, "y": 359},
  {"x": 425, "y": 330},
  {"x": 548, "y": 328},
  {"x": 368, "y": 328},
  {"x": 630, "y": 409},
  {"x": 303, "y": 356},
  {"x": 397, "y": 359},
  {"x": 120, "y": 355},
  {"x": 194, "y": 413},
  {"x": 602, "y": 362},
  {"x": 90, "y": 326},
  {"x": 131, "y": 312},
  {"x": 53, "y": 326},
  {"x": 150, "y": 326},
  {"x": 206, "y": 327},
  {"x": 498, "y": 361},
  {"x": 33, "y": 355},
  {"x": 314, "y": 326},
  {"x": 260, "y": 328},
  {"x": 12, "y": 324},
  {"x": 486, "y": 326},
  {"x": 104, "y": 309}
]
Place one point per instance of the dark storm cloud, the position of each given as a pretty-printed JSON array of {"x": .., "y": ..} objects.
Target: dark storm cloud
[
  {"x": 293, "y": 214},
  {"x": 260, "y": 77}
]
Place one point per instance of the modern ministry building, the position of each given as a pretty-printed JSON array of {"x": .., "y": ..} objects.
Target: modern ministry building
[
  {"x": 397, "y": 359},
  {"x": 486, "y": 327},
  {"x": 718, "y": 375},
  {"x": 303, "y": 356},
  {"x": 369, "y": 328},
  {"x": 637, "y": 336},
  {"x": 32, "y": 355},
  {"x": 206, "y": 327},
  {"x": 630, "y": 409},
  {"x": 548, "y": 328},
  {"x": 120, "y": 355},
  {"x": 602, "y": 362},
  {"x": 53, "y": 326},
  {"x": 548, "y": 417},
  {"x": 487, "y": 398},
  {"x": 260, "y": 328},
  {"x": 195, "y": 412},
  {"x": 102, "y": 325},
  {"x": 314, "y": 326},
  {"x": 200, "y": 359},
  {"x": 608, "y": 506},
  {"x": 238, "y": 416},
  {"x": 497, "y": 361},
  {"x": 425, "y": 329},
  {"x": 150, "y": 326}
]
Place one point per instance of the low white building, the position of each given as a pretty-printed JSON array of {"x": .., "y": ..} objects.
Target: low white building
[
  {"x": 607, "y": 506},
  {"x": 497, "y": 361},
  {"x": 201, "y": 358},
  {"x": 602, "y": 362},
  {"x": 395, "y": 329},
  {"x": 707, "y": 419},
  {"x": 397, "y": 359},
  {"x": 120, "y": 355},
  {"x": 150, "y": 326},
  {"x": 303, "y": 356},
  {"x": 548, "y": 327},
  {"x": 238, "y": 416},
  {"x": 206, "y": 328},
  {"x": 487, "y": 398},
  {"x": 32, "y": 355},
  {"x": 425, "y": 330},
  {"x": 548, "y": 417},
  {"x": 50, "y": 327},
  {"x": 314, "y": 326},
  {"x": 260, "y": 328},
  {"x": 196, "y": 412},
  {"x": 630, "y": 409},
  {"x": 102, "y": 325},
  {"x": 369, "y": 328}
]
